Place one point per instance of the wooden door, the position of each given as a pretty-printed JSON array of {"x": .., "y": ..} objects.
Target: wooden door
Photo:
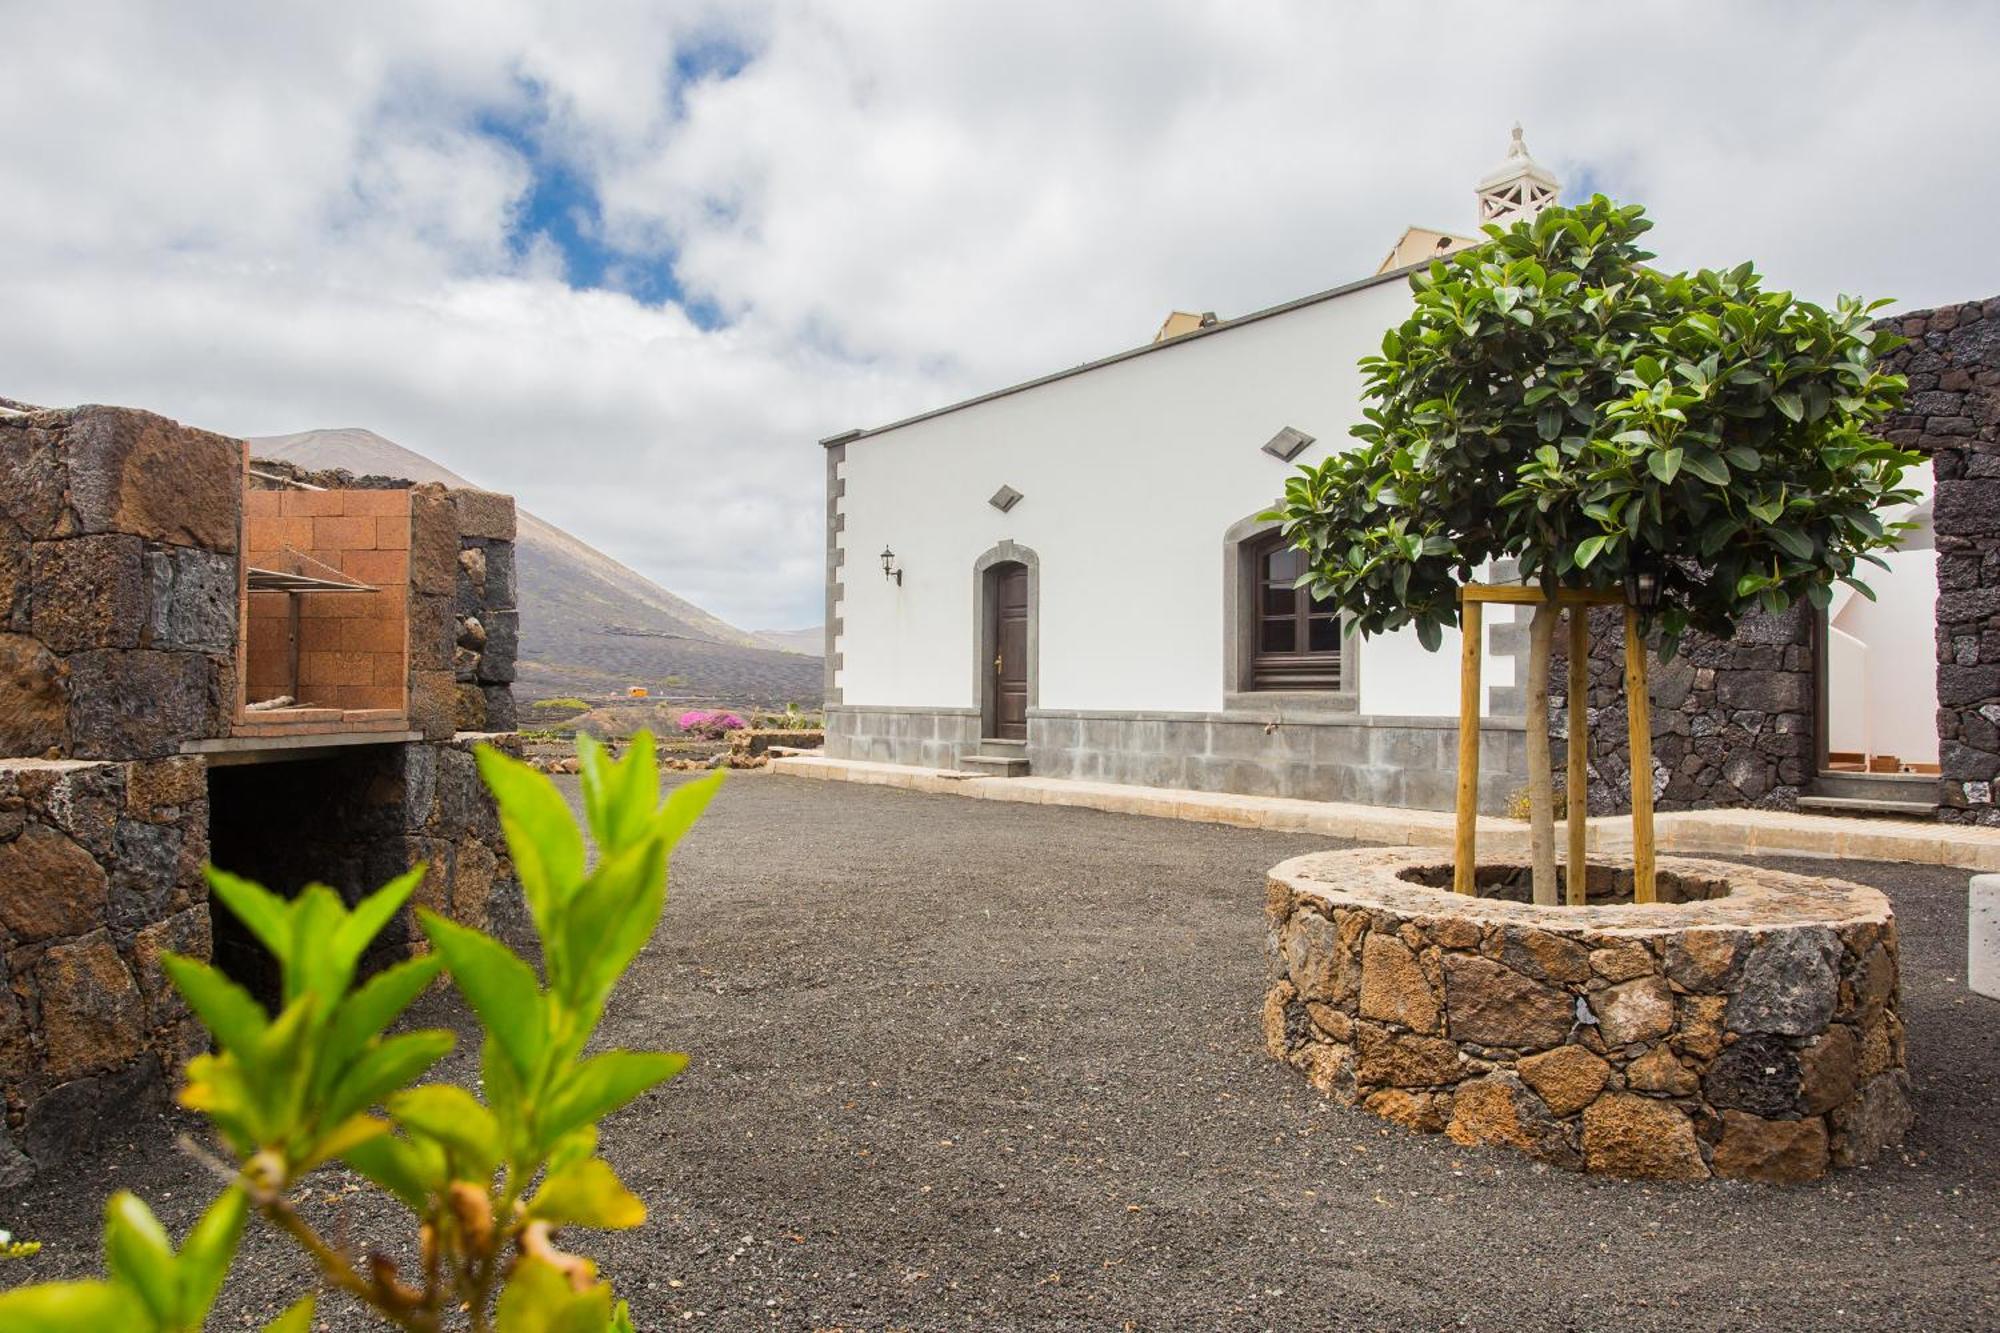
[{"x": 1010, "y": 660}]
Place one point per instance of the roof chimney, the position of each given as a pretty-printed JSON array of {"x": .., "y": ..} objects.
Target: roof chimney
[{"x": 1519, "y": 187}]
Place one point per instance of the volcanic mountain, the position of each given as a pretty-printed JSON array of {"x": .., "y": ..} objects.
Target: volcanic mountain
[{"x": 589, "y": 625}]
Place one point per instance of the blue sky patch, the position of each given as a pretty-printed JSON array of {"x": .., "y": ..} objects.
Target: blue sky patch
[{"x": 562, "y": 208}]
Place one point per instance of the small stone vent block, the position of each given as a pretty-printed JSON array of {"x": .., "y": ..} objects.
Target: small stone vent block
[
  {"x": 1287, "y": 444},
  {"x": 1745, "y": 1026},
  {"x": 1005, "y": 499}
]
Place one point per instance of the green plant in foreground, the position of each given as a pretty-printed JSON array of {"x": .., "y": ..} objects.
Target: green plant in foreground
[{"x": 486, "y": 1183}]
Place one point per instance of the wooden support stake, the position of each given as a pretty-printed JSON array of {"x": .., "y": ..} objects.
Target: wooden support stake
[
  {"x": 1639, "y": 732},
  {"x": 1577, "y": 797},
  {"x": 1464, "y": 852}
]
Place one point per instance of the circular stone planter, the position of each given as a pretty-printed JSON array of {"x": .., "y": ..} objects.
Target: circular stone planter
[{"x": 1743, "y": 1026}]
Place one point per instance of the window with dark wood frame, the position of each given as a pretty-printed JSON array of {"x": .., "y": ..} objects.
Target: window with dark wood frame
[{"x": 1296, "y": 643}]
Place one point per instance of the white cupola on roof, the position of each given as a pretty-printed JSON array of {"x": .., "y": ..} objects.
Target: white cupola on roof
[{"x": 1519, "y": 187}]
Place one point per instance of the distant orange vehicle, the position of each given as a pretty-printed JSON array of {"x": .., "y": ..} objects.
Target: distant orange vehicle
[{"x": 636, "y": 692}]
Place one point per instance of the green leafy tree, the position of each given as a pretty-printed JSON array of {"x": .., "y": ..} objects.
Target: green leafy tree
[
  {"x": 486, "y": 1183},
  {"x": 1553, "y": 400}
]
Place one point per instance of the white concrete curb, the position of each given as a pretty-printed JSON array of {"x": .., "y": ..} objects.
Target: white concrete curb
[
  {"x": 1692, "y": 832},
  {"x": 1982, "y": 936}
]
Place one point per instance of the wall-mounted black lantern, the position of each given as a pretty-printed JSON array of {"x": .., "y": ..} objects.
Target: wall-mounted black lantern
[
  {"x": 1642, "y": 588},
  {"x": 889, "y": 569}
]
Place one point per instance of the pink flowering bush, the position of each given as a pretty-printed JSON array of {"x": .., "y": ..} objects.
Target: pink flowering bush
[{"x": 711, "y": 726}]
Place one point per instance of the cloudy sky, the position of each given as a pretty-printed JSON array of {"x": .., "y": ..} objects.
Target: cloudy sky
[{"x": 630, "y": 260}]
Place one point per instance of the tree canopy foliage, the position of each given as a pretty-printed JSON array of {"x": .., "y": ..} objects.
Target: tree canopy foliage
[{"x": 1553, "y": 399}]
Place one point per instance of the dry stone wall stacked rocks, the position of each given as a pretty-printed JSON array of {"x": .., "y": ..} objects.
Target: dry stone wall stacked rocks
[
  {"x": 450, "y": 824},
  {"x": 118, "y": 542},
  {"x": 486, "y": 621},
  {"x": 1756, "y": 1039},
  {"x": 1952, "y": 413},
  {"x": 1732, "y": 718},
  {"x": 100, "y": 874}
]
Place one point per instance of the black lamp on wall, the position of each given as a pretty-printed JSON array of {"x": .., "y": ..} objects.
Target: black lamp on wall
[
  {"x": 1642, "y": 587},
  {"x": 889, "y": 569}
]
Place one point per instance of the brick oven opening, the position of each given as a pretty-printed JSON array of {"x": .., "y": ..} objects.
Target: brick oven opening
[{"x": 325, "y": 593}]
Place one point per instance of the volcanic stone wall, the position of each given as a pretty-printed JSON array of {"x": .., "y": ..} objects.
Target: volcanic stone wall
[
  {"x": 120, "y": 567},
  {"x": 1746, "y": 1027},
  {"x": 1732, "y": 718},
  {"x": 1734, "y": 721},
  {"x": 1952, "y": 413},
  {"x": 118, "y": 545},
  {"x": 100, "y": 872},
  {"x": 487, "y": 622}
]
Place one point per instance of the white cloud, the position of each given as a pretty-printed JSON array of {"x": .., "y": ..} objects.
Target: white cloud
[{"x": 264, "y": 219}]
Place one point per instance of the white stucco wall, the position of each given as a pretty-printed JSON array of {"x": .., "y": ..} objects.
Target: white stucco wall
[
  {"x": 1131, "y": 473},
  {"x": 1882, "y": 674}
]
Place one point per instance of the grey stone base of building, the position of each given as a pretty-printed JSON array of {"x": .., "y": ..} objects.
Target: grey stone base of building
[
  {"x": 1410, "y": 762},
  {"x": 925, "y": 737}
]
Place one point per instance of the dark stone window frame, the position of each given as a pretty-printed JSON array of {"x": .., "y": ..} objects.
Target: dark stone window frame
[{"x": 1245, "y": 688}]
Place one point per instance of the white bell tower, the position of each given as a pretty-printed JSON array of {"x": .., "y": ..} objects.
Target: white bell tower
[{"x": 1519, "y": 187}]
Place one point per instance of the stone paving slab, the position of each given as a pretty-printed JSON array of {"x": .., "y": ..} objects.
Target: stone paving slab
[{"x": 1716, "y": 832}]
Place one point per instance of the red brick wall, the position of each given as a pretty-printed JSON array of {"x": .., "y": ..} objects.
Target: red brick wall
[{"x": 353, "y": 647}]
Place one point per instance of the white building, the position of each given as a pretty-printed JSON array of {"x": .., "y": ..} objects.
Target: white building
[{"x": 1068, "y": 576}]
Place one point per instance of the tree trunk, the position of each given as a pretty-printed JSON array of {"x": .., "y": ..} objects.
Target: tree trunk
[{"x": 1541, "y": 784}]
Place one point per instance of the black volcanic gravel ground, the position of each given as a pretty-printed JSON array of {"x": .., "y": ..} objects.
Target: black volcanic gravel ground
[{"x": 963, "y": 1064}]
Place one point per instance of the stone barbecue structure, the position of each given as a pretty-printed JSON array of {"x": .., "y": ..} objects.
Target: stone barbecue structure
[
  {"x": 203, "y": 658},
  {"x": 1744, "y": 1026}
]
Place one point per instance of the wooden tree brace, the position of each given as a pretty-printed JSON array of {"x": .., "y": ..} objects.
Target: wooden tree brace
[{"x": 1639, "y": 734}]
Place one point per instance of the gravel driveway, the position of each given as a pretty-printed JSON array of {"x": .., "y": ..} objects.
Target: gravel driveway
[{"x": 966, "y": 1064}]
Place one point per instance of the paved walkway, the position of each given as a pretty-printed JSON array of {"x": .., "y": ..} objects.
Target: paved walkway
[{"x": 1692, "y": 832}]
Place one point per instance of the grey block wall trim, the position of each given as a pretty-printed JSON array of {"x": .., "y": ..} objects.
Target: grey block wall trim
[
  {"x": 925, "y": 737},
  {"x": 983, "y": 648},
  {"x": 836, "y": 559},
  {"x": 1410, "y": 723},
  {"x": 1386, "y": 761}
]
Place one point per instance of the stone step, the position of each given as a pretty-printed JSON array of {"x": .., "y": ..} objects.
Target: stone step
[
  {"x": 1921, "y": 787},
  {"x": 1867, "y": 807},
  {"x": 995, "y": 766},
  {"x": 995, "y": 748}
]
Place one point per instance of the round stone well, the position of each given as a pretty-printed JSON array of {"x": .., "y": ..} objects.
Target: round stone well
[{"x": 1742, "y": 1026}]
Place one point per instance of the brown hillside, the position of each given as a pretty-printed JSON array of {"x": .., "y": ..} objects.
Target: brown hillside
[{"x": 589, "y": 625}]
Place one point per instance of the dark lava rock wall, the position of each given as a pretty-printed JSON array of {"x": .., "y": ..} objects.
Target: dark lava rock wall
[
  {"x": 1734, "y": 721},
  {"x": 118, "y": 540},
  {"x": 1952, "y": 413},
  {"x": 1732, "y": 718}
]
